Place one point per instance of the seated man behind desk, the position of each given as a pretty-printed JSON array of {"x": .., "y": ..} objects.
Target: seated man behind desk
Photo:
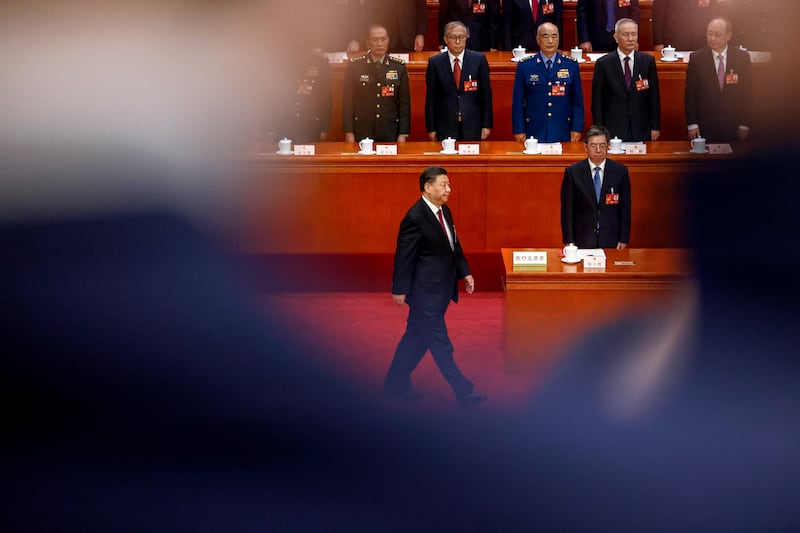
[
  {"x": 458, "y": 100},
  {"x": 547, "y": 100},
  {"x": 376, "y": 101},
  {"x": 625, "y": 96},
  {"x": 596, "y": 198}
]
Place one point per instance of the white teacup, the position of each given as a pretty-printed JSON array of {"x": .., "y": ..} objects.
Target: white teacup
[
  {"x": 449, "y": 144},
  {"x": 365, "y": 145},
  {"x": 518, "y": 52},
  {"x": 615, "y": 144},
  {"x": 571, "y": 253},
  {"x": 576, "y": 53},
  {"x": 285, "y": 146},
  {"x": 668, "y": 52},
  {"x": 698, "y": 145},
  {"x": 531, "y": 144}
]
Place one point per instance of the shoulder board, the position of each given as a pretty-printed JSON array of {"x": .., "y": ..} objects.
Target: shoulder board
[
  {"x": 358, "y": 58},
  {"x": 527, "y": 58},
  {"x": 396, "y": 60}
]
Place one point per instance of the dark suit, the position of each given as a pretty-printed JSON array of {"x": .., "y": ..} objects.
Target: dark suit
[
  {"x": 458, "y": 112},
  {"x": 538, "y": 110},
  {"x": 519, "y": 28},
  {"x": 481, "y": 17},
  {"x": 681, "y": 23},
  {"x": 376, "y": 101},
  {"x": 719, "y": 113},
  {"x": 427, "y": 271},
  {"x": 403, "y": 19},
  {"x": 628, "y": 112},
  {"x": 309, "y": 112},
  {"x": 592, "y": 19},
  {"x": 587, "y": 222}
]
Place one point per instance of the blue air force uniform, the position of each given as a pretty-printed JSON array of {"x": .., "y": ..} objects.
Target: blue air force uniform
[{"x": 547, "y": 104}]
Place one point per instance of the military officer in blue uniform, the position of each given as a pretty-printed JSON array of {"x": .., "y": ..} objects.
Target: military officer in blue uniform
[
  {"x": 376, "y": 98},
  {"x": 548, "y": 99}
]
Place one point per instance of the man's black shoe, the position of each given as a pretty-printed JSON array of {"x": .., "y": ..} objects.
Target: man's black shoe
[{"x": 470, "y": 400}]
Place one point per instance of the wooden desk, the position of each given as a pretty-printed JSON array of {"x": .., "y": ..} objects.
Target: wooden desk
[
  {"x": 337, "y": 211},
  {"x": 340, "y": 202},
  {"x": 547, "y": 311}
]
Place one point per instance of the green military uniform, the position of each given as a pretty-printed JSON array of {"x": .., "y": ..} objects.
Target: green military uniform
[
  {"x": 376, "y": 99},
  {"x": 311, "y": 112}
]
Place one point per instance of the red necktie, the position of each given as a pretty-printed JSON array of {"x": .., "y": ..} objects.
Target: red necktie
[
  {"x": 534, "y": 9},
  {"x": 721, "y": 72},
  {"x": 457, "y": 72},
  {"x": 441, "y": 221}
]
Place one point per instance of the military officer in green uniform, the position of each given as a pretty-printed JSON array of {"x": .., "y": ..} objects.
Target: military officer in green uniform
[{"x": 376, "y": 98}]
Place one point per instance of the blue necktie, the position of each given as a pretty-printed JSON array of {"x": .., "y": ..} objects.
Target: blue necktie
[
  {"x": 597, "y": 182},
  {"x": 549, "y": 64}
]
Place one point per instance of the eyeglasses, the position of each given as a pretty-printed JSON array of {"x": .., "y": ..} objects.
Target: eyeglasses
[
  {"x": 716, "y": 34},
  {"x": 456, "y": 38}
]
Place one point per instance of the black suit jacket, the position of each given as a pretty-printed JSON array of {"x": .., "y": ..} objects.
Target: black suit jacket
[
  {"x": 426, "y": 269},
  {"x": 628, "y": 113},
  {"x": 591, "y": 22},
  {"x": 518, "y": 26},
  {"x": 484, "y": 28},
  {"x": 582, "y": 214},
  {"x": 444, "y": 101},
  {"x": 403, "y": 19},
  {"x": 719, "y": 113},
  {"x": 681, "y": 23}
]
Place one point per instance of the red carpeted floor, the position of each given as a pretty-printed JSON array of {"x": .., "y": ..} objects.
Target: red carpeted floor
[{"x": 355, "y": 335}]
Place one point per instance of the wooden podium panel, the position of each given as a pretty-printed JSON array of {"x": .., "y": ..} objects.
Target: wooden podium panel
[
  {"x": 547, "y": 311},
  {"x": 340, "y": 202}
]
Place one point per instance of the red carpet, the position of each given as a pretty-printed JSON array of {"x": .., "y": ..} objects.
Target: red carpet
[{"x": 355, "y": 334}]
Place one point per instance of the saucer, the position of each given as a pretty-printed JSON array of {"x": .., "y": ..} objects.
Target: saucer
[
  {"x": 448, "y": 152},
  {"x": 564, "y": 260},
  {"x": 674, "y": 59},
  {"x": 699, "y": 152},
  {"x": 616, "y": 152},
  {"x": 372, "y": 152},
  {"x": 537, "y": 151},
  {"x": 290, "y": 152}
]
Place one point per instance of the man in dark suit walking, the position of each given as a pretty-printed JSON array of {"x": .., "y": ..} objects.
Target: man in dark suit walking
[
  {"x": 595, "y": 21},
  {"x": 719, "y": 88},
  {"x": 596, "y": 198},
  {"x": 459, "y": 108},
  {"x": 625, "y": 96},
  {"x": 428, "y": 263},
  {"x": 521, "y": 18}
]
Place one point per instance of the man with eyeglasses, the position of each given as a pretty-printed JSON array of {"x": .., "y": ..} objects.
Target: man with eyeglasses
[
  {"x": 719, "y": 88},
  {"x": 458, "y": 98},
  {"x": 625, "y": 95},
  {"x": 596, "y": 198},
  {"x": 376, "y": 100}
]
